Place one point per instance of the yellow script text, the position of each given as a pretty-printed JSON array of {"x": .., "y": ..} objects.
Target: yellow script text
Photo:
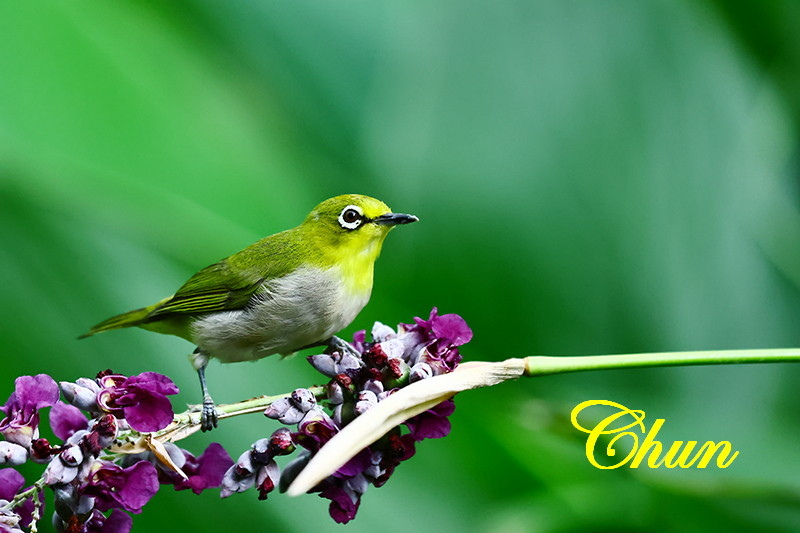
[{"x": 679, "y": 453}]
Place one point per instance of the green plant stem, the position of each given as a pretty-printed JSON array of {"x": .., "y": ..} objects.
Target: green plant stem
[
  {"x": 20, "y": 498},
  {"x": 541, "y": 365},
  {"x": 188, "y": 422}
]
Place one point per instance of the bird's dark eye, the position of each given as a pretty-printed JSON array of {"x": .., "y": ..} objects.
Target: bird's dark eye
[{"x": 351, "y": 217}]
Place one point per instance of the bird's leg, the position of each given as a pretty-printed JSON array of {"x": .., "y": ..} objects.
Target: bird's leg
[
  {"x": 208, "y": 416},
  {"x": 335, "y": 344}
]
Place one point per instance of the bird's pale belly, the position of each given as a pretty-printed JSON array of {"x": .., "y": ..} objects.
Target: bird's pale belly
[{"x": 298, "y": 310}]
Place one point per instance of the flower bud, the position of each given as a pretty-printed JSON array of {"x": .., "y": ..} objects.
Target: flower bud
[
  {"x": 304, "y": 400},
  {"x": 375, "y": 357},
  {"x": 420, "y": 371},
  {"x": 381, "y": 332},
  {"x": 8, "y": 519},
  {"x": 280, "y": 443},
  {"x": 239, "y": 477},
  {"x": 335, "y": 363},
  {"x": 397, "y": 373},
  {"x": 82, "y": 394},
  {"x": 59, "y": 472},
  {"x": 71, "y": 455},
  {"x": 285, "y": 411},
  {"x": 41, "y": 451},
  {"x": 374, "y": 386},
  {"x": 260, "y": 452},
  {"x": 12, "y": 454},
  {"x": 335, "y": 393},
  {"x": 366, "y": 399},
  {"x": 393, "y": 348},
  {"x": 265, "y": 479}
]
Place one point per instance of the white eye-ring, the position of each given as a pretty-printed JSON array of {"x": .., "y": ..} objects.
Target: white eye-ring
[{"x": 351, "y": 217}]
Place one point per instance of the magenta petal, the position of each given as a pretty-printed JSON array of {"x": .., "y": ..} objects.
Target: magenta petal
[
  {"x": 129, "y": 488},
  {"x": 429, "y": 427},
  {"x": 10, "y": 483},
  {"x": 209, "y": 470},
  {"x": 360, "y": 462},
  {"x": 66, "y": 419},
  {"x": 36, "y": 391},
  {"x": 154, "y": 382},
  {"x": 446, "y": 408},
  {"x": 433, "y": 423},
  {"x": 152, "y": 413},
  {"x": 140, "y": 486},
  {"x": 453, "y": 328},
  {"x": 342, "y": 508},
  {"x": 117, "y": 522}
]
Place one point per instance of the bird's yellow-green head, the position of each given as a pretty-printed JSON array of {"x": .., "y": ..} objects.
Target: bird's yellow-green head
[
  {"x": 353, "y": 223},
  {"x": 350, "y": 229}
]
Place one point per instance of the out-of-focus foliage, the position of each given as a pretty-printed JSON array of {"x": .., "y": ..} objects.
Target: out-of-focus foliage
[{"x": 591, "y": 177}]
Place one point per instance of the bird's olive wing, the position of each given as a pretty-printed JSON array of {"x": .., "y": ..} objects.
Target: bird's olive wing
[
  {"x": 231, "y": 283},
  {"x": 215, "y": 288}
]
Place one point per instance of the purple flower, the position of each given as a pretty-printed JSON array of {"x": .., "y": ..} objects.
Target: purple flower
[
  {"x": 433, "y": 423},
  {"x": 335, "y": 363},
  {"x": 451, "y": 328},
  {"x": 65, "y": 420},
  {"x": 141, "y": 399},
  {"x": 206, "y": 471},
  {"x": 399, "y": 449},
  {"x": 266, "y": 478},
  {"x": 314, "y": 430},
  {"x": 344, "y": 501},
  {"x": 362, "y": 377},
  {"x": 292, "y": 409},
  {"x": 434, "y": 341},
  {"x": 239, "y": 477},
  {"x": 115, "y": 487},
  {"x": 116, "y": 522},
  {"x": 257, "y": 467},
  {"x": 31, "y": 393},
  {"x": 11, "y": 482}
]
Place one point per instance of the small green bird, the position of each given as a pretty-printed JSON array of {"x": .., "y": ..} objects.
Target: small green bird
[{"x": 286, "y": 292}]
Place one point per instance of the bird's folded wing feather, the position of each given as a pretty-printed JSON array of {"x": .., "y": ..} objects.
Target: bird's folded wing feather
[
  {"x": 231, "y": 283},
  {"x": 215, "y": 288}
]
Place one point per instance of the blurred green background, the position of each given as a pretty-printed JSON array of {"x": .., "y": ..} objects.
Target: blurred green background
[{"x": 591, "y": 177}]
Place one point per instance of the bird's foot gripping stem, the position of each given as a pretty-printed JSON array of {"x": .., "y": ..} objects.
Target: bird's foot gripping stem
[
  {"x": 208, "y": 416},
  {"x": 335, "y": 344}
]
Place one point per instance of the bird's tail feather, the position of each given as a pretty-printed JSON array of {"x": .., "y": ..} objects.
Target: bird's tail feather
[{"x": 125, "y": 320}]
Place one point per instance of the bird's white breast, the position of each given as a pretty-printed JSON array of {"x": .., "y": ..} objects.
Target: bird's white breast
[{"x": 300, "y": 309}]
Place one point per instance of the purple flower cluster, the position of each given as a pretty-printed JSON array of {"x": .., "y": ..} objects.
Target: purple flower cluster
[
  {"x": 98, "y": 472},
  {"x": 85, "y": 485},
  {"x": 360, "y": 378}
]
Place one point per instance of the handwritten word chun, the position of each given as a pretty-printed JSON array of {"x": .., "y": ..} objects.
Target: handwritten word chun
[{"x": 679, "y": 454}]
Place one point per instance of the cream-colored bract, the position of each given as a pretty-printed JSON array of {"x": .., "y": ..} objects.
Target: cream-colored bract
[{"x": 396, "y": 409}]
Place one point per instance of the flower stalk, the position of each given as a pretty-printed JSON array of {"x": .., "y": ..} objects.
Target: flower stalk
[
  {"x": 420, "y": 396},
  {"x": 541, "y": 365},
  {"x": 188, "y": 422}
]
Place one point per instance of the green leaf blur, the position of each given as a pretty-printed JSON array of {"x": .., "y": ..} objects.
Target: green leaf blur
[{"x": 591, "y": 177}]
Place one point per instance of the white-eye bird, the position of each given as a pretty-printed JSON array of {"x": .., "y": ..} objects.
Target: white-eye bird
[{"x": 286, "y": 292}]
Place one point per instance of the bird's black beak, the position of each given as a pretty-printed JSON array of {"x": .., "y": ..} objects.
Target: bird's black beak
[{"x": 393, "y": 219}]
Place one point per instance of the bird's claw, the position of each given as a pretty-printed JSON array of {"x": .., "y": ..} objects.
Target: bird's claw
[
  {"x": 335, "y": 344},
  {"x": 208, "y": 416}
]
